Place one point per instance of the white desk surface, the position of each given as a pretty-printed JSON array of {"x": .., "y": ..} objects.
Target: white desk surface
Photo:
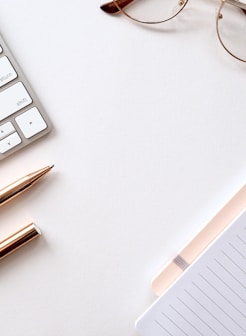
[{"x": 149, "y": 143}]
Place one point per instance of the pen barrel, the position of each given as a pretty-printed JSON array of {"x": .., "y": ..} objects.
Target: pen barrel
[
  {"x": 18, "y": 187},
  {"x": 18, "y": 239},
  {"x": 14, "y": 190}
]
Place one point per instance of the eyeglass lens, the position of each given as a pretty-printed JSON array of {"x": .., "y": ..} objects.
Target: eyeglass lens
[
  {"x": 232, "y": 30},
  {"x": 150, "y": 11}
]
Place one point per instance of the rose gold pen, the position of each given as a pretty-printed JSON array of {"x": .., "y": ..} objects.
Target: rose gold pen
[
  {"x": 19, "y": 239},
  {"x": 21, "y": 185}
]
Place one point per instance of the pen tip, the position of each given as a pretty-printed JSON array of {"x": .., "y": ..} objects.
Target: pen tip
[{"x": 52, "y": 166}]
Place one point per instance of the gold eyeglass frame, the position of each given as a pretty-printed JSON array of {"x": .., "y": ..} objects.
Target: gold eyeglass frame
[
  {"x": 117, "y": 6},
  {"x": 219, "y": 16},
  {"x": 182, "y": 4}
]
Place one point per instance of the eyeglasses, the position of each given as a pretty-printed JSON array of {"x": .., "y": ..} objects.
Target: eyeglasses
[{"x": 230, "y": 19}]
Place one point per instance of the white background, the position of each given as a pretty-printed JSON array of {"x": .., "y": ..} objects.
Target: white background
[{"x": 149, "y": 142}]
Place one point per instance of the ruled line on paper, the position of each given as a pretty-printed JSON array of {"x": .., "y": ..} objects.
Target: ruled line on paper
[
  {"x": 239, "y": 252},
  {"x": 186, "y": 320},
  {"x": 241, "y": 239},
  {"x": 230, "y": 273},
  {"x": 218, "y": 306},
  {"x": 175, "y": 324},
  {"x": 233, "y": 291},
  {"x": 211, "y": 314},
  {"x": 233, "y": 261},
  {"x": 199, "y": 317},
  {"x": 222, "y": 295},
  {"x": 162, "y": 327}
]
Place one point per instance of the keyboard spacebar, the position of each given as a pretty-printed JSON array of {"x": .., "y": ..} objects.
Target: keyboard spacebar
[{"x": 13, "y": 99}]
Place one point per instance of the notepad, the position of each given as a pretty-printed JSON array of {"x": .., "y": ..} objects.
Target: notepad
[{"x": 210, "y": 297}]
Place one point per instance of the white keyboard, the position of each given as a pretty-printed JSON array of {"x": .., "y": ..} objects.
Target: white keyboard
[{"x": 22, "y": 117}]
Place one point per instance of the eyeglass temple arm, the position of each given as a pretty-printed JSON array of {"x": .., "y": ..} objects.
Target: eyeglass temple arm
[
  {"x": 237, "y": 4},
  {"x": 111, "y": 8}
]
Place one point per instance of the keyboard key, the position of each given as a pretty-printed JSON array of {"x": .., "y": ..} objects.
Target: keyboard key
[
  {"x": 13, "y": 99},
  {"x": 31, "y": 122},
  {"x": 9, "y": 142},
  {"x": 6, "y": 129},
  {"x": 7, "y": 72},
  {"x": 22, "y": 117}
]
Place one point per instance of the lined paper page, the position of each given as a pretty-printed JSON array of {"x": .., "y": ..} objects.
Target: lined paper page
[{"x": 210, "y": 297}]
